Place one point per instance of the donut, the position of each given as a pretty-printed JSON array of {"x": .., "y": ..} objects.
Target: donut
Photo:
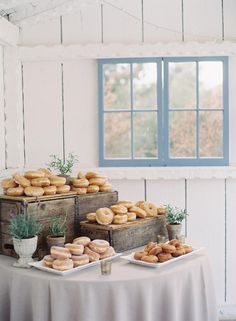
[
  {"x": 174, "y": 242},
  {"x": 57, "y": 181},
  {"x": 50, "y": 190},
  {"x": 108, "y": 253},
  {"x": 119, "y": 209},
  {"x": 79, "y": 190},
  {"x": 40, "y": 182},
  {"x": 139, "y": 203},
  {"x": 107, "y": 187},
  {"x": 81, "y": 175},
  {"x": 46, "y": 171},
  {"x": 126, "y": 203},
  {"x": 63, "y": 189},
  {"x": 155, "y": 250},
  {"x": 162, "y": 257},
  {"x": 75, "y": 249},
  {"x": 83, "y": 240},
  {"x": 21, "y": 180},
  {"x": 8, "y": 183},
  {"x": 80, "y": 182},
  {"x": 92, "y": 189},
  {"x": 97, "y": 181},
  {"x": 149, "y": 208},
  {"x": 93, "y": 256},
  {"x": 187, "y": 248},
  {"x": 149, "y": 258},
  {"x": 167, "y": 248},
  {"x": 93, "y": 175},
  {"x": 99, "y": 246},
  {"x": 61, "y": 253},
  {"x": 91, "y": 217},
  {"x": 161, "y": 210},
  {"x": 149, "y": 246},
  {"x": 139, "y": 255},
  {"x": 138, "y": 211},
  {"x": 80, "y": 260},
  {"x": 180, "y": 250},
  {"x": 34, "y": 191},
  {"x": 15, "y": 191},
  {"x": 104, "y": 216},
  {"x": 63, "y": 265},
  {"x": 120, "y": 219},
  {"x": 48, "y": 260},
  {"x": 131, "y": 216},
  {"x": 34, "y": 174}
]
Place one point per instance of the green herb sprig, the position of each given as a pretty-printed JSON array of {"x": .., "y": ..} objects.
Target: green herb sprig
[
  {"x": 24, "y": 227},
  {"x": 175, "y": 215},
  {"x": 61, "y": 166}
]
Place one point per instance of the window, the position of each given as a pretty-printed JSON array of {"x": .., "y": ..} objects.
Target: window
[{"x": 163, "y": 111}]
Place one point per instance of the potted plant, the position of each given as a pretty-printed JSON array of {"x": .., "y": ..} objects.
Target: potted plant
[
  {"x": 174, "y": 217},
  {"x": 56, "y": 230},
  {"x": 24, "y": 231},
  {"x": 63, "y": 167}
]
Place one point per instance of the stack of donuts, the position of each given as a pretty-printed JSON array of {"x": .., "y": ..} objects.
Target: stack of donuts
[
  {"x": 162, "y": 252},
  {"x": 35, "y": 183},
  {"x": 125, "y": 211},
  {"x": 90, "y": 182},
  {"x": 80, "y": 252}
]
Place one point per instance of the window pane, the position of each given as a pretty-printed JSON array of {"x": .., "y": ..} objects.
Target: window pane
[
  {"x": 145, "y": 135},
  {"x": 116, "y": 86},
  {"x": 210, "y": 84},
  {"x": 182, "y": 85},
  {"x": 145, "y": 85},
  {"x": 211, "y": 134},
  {"x": 117, "y": 135},
  {"x": 182, "y": 134}
]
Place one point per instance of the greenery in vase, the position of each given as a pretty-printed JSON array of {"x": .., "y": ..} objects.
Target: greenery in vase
[
  {"x": 57, "y": 226},
  {"x": 175, "y": 215},
  {"x": 64, "y": 167},
  {"x": 24, "y": 227}
]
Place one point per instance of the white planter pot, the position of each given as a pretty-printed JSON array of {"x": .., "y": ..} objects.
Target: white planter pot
[{"x": 25, "y": 248}]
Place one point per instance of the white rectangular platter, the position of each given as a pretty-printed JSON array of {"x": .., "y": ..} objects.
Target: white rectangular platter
[
  {"x": 130, "y": 258},
  {"x": 39, "y": 265}
]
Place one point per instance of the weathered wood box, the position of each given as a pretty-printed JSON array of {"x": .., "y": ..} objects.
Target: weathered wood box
[
  {"x": 70, "y": 204},
  {"x": 127, "y": 236}
]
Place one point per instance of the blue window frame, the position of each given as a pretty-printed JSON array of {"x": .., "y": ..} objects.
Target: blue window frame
[{"x": 163, "y": 111}]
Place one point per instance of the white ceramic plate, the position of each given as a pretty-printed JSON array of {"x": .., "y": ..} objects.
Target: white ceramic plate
[
  {"x": 39, "y": 265},
  {"x": 130, "y": 258}
]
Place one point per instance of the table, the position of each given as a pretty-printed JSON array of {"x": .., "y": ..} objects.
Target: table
[{"x": 183, "y": 291}]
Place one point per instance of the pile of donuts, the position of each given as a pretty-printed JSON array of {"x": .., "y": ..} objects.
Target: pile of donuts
[
  {"x": 162, "y": 252},
  {"x": 125, "y": 211},
  {"x": 90, "y": 182},
  {"x": 35, "y": 183},
  {"x": 80, "y": 252}
]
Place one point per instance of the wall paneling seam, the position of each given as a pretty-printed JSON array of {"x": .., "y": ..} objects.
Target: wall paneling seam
[
  {"x": 182, "y": 19},
  {"x": 102, "y": 24},
  {"x": 145, "y": 189},
  {"x": 222, "y": 20},
  {"x": 23, "y": 112},
  {"x": 142, "y": 17},
  {"x": 225, "y": 231},
  {"x": 4, "y": 108},
  {"x": 63, "y": 112},
  {"x": 61, "y": 30}
]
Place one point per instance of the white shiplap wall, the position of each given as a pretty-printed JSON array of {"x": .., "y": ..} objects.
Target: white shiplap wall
[{"x": 2, "y": 111}]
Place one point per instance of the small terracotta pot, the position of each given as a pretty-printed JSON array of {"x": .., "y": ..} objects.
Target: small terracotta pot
[
  {"x": 173, "y": 230},
  {"x": 55, "y": 241}
]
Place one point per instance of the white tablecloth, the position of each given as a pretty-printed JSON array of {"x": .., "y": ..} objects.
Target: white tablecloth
[{"x": 183, "y": 291}]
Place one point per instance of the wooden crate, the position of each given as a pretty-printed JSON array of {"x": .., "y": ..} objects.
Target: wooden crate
[{"x": 127, "y": 236}]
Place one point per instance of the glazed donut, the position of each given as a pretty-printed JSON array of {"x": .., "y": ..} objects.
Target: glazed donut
[
  {"x": 93, "y": 256},
  {"x": 155, "y": 250},
  {"x": 75, "y": 249},
  {"x": 174, "y": 242},
  {"x": 80, "y": 182},
  {"x": 161, "y": 210},
  {"x": 15, "y": 191},
  {"x": 40, "y": 182},
  {"x": 149, "y": 208},
  {"x": 79, "y": 190},
  {"x": 126, "y": 203},
  {"x": 107, "y": 187},
  {"x": 93, "y": 175},
  {"x": 97, "y": 181},
  {"x": 108, "y": 253},
  {"x": 139, "y": 203},
  {"x": 8, "y": 183},
  {"x": 119, "y": 209},
  {"x": 50, "y": 190},
  {"x": 149, "y": 258},
  {"x": 91, "y": 217},
  {"x": 187, "y": 248},
  {"x": 46, "y": 171},
  {"x": 63, "y": 189},
  {"x": 21, "y": 180},
  {"x": 104, "y": 216},
  {"x": 57, "y": 181},
  {"x": 120, "y": 219},
  {"x": 83, "y": 240},
  {"x": 80, "y": 260},
  {"x": 149, "y": 246},
  {"x": 62, "y": 265},
  {"x": 34, "y": 191},
  {"x": 162, "y": 257},
  {"x": 81, "y": 175},
  {"x": 167, "y": 248},
  {"x": 60, "y": 253},
  {"x": 180, "y": 250},
  {"x": 34, "y": 174},
  {"x": 92, "y": 189},
  {"x": 48, "y": 260},
  {"x": 139, "y": 255},
  {"x": 131, "y": 216},
  {"x": 138, "y": 211},
  {"x": 99, "y": 246}
]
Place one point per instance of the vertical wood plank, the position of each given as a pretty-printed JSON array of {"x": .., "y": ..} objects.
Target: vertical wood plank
[
  {"x": 232, "y": 110},
  {"x": 122, "y": 26},
  {"x": 129, "y": 189},
  {"x": 81, "y": 112},
  {"x": 202, "y": 20},
  {"x": 43, "y": 111},
  {"x": 206, "y": 224},
  {"x": 2, "y": 123},
  {"x": 229, "y": 20},
  {"x": 158, "y": 13}
]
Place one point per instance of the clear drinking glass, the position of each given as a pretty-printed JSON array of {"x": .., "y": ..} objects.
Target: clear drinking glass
[
  {"x": 105, "y": 267},
  {"x": 181, "y": 238},
  {"x": 161, "y": 238}
]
